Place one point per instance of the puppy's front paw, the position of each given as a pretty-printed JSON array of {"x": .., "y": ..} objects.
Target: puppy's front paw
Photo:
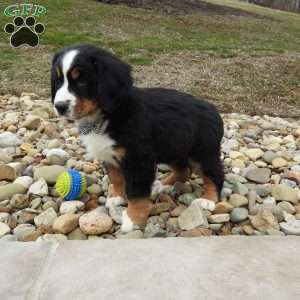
[
  {"x": 114, "y": 201},
  {"x": 127, "y": 224},
  {"x": 205, "y": 204}
]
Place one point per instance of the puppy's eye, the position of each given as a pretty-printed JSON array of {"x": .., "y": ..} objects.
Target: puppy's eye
[{"x": 75, "y": 73}]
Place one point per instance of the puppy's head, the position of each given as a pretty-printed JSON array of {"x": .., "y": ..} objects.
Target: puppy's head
[{"x": 85, "y": 79}]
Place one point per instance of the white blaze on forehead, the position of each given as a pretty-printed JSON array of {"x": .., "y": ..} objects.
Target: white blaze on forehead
[{"x": 63, "y": 94}]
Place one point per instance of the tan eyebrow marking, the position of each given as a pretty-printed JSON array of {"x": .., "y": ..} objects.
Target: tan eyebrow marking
[{"x": 75, "y": 73}]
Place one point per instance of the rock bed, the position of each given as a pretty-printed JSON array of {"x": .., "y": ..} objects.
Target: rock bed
[{"x": 260, "y": 196}]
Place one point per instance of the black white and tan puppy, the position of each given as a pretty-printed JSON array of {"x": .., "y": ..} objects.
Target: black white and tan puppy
[{"x": 133, "y": 129}]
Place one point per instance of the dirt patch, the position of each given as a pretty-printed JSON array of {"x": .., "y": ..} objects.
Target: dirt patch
[
  {"x": 183, "y": 7},
  {"x": 253, "y": 85}
]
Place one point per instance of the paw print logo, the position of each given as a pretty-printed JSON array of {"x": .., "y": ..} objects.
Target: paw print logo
[{"x": 24, "y": 32}]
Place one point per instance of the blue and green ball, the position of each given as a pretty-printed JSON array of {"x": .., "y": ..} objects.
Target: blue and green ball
[{"x": 70, "y": 185}]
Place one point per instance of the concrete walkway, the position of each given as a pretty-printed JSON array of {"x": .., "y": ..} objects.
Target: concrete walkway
[{"x": 233, "y": 268}]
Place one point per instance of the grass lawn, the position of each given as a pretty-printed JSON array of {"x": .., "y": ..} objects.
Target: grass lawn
[{"x": 242, "y": 63}]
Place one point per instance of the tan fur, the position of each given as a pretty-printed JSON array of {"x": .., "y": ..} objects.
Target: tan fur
[
  {"x": 139, "y": 210},
  {"x": 118, "y": 182},
  {"x": 181, "y": 175},
  {"x": 85, "y": 107}
]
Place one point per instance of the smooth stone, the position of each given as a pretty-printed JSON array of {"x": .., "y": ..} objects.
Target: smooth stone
[
  {"x": 57, "y": 156},
  {"x": 219, "y": 218},
  {"x": 237, "y": 200},
  {"x": 259, "y": 175},
  {"x": 71, "y": 207},
  {"x": 154, "y": 230},
  {"x": 283, "y": 192},
  {"x": 269, "y": 156},
  {"x": 20, "y": 201},
  {"x": 25, "y": 181},
  {"x": 65, "y": 224},
  {"x": 8, "y": 190},
  {"x": 279, "y": 162},
  {"x": 49, "y": 173},
  {"x": 192, "y": 217},
  {"x": 22, "y": 230},
  {"x": 94, "y": 189},
  {"x": 196, "y": 232},
  {"x": 52, "y": 237},
  {"x": 95, "y": 222},
  {"x": 136, "y": 234},
  {"x": 4, "y": 229},
  {"x": 187, "y": 198},
  {"x": 239, "y": 188},
  {"x": 178, "y": 210},
  {"x": 274, "y": 232},
  {"x": 263, "y": 221},
  {"x": 32, "y": 122},
  {"x": 287, "y": 207},
  {"x": 116, "y": 213},
  {"x": 254, "y": 154},
  {"x": 77, "y": 234},
  {"x": 182, "y": 188},
  {"x": 160, "y": 207},
  {"x": 172, "y": 225},
  {"x": 7, "y": 173},
  {"x": 239, "y": 214},
  {"x": 8, "y": 139},
  {"x": 223, "y": 207},
  {"x": 39, "y": 188},
  {"x": 49, "y": 204},
  {"x": 292, "y": 227},
  {"x": 46, "y": 218},
  {"x": 4, "y": 217}
]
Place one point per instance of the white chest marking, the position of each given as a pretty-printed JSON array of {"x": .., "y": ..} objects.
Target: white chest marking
[{"x": 100, "y": 147}]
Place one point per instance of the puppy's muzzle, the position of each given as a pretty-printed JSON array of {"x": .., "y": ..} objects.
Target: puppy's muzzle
[{"x": 62, "y": 107}]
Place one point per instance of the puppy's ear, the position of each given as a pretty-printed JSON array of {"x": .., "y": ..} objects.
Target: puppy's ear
[
  {"x": 54, "y": 76},
  {"x": 114, "y": 81}
]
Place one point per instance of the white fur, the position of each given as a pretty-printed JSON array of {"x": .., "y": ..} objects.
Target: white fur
[
  {"x": 100, "y": 147},
  {"x": 63, "y": 94},
  {"x": 127, "y": 224},
  {"x": 115, "y": 201},
  {"x": 205, "y": 204}
]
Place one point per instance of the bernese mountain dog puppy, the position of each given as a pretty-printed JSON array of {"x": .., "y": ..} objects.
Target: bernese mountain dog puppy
[{"x": 132, "y": 129}]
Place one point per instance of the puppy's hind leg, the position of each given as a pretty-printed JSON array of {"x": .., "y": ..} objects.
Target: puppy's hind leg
[
  {"x": 211, "y": 169},
  {"x": 180, "y": 172}
]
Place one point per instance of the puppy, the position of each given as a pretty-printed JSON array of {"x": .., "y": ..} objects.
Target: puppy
[{"x": 133, "y": 129}]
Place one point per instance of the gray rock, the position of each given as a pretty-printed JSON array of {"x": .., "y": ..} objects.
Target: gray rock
[
  {"x": 283, "y": 192},
  {"x": 46, "y": 218},
  {"x": 116, "y": 213},
  {"x": 49, "y": 173},
  {"x": 39, "y": 188},
  {"x": 52, "y": 237},
  {"x": 71, "y": 207},
  {"x": 269, "y": 156},
  {"x": 192, "y": 217},
  {"x": 95, "y": 222},
  {"x": 219, "y": 218},
  {"x": 292, "y": 227},
  {"x": 259, "y": 175},
  {"x": 8, "y": 139},
  {"x": 239, "y": 188},
  {"x": 154, "y": 230},
  {"x": 172, "y": 225},
  {"x": 136, "y": 234},
  {"x": 8, "y": 190},
  {"x": 239, "y": 214},
  {"x": 187, "y": 198},
  {"x": 57, "y": 156},
  {"x": 237, "y": 200},
  {"x": 287, "y": 207},
  {"x": 22, "y": 230},
  {"x": 77, "y": 234}
]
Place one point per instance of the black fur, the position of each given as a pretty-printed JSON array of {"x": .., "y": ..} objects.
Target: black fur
[{"x": 154, "y": 125}]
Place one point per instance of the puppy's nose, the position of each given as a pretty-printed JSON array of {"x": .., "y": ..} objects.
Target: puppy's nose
[{"x": 62, "y": 107}]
